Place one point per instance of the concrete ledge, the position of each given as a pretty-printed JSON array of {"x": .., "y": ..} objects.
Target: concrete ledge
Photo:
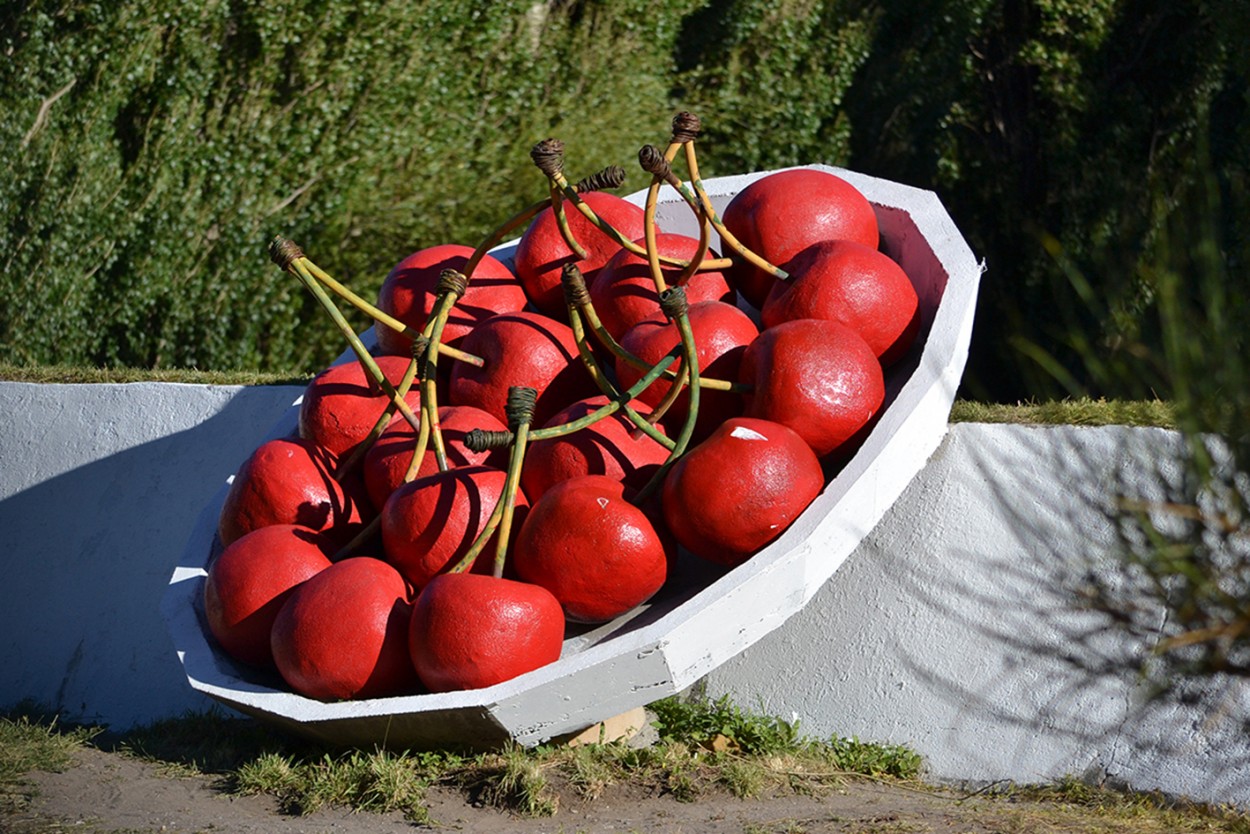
[{"x": 948, "y": 629}]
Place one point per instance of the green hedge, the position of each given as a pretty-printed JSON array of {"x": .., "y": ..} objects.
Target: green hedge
[{"x": 152, "y": 150}]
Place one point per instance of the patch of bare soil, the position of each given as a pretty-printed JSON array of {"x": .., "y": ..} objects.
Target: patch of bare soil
[{"x": 107, "y": 792}]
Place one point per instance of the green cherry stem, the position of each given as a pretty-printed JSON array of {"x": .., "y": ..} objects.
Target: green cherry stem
[
  {"x": 480, "y": 440},
  {"x": 587, "y": 308},
  {"x": 562, "y": 223},
  {"x": 359, "y": 451},
  {"x": 648, "y": 217},
  {"x": 382, "y": 317},
  {"x": 520, "y": 410},
  {"x": 674, "y": 304},
  {"x": 287, "y": 255},
  {"x": 451, "y": 287},
  {"x": 574, "y": 289},
  {"x": 727, "y": 237},
  {"x": 548, "y": 155}
]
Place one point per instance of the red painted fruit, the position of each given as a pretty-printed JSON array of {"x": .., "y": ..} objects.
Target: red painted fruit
[
  {"x": 387, "y": 460},
  {"x": 817, "y": 377},
  {"x": 408, "y": 294},
  {"x": 521, "y": 349},
  {"x": 428, "y": 525},
  {"x": 721, "y": 334},
  {"x": 738, "y": 490},
  {"x": 249, "y": 581},
  {"x": 852, "y": 284},
  {"x": 596, "y": 552},
  {"x": 612, "y": 447},
  {"x": 469, "y": 631},
  {"x": 344, "y": 633},
  {"x": 780, "y": 215},
  {"x": 624, "y": 292},
  {"x": 289, "y": 481},
  {"x": 341, "y": 404},
  {"x": 541, "y": 252}
]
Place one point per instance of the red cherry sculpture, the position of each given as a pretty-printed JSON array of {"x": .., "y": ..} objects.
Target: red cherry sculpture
[
  {"x": 408, "y": 294},
  {"x": 817, "y": 377},
  {"x": 289, "y": 481},
  {"x": 541, "y": 252},
  {"x": 249, "y": 581},
  {"x": 521, "y": 349},
  {"x": 612, "y": 447},
  {"x": 344, "y": 633},
  {"x": 738, "y": 490},
  {"x": 721, "y": 334},
  {"x": 852, "y": 284},
  {"x": 341, "y": 405},
  {"x": 430, "y": 523},
  {"x": 470, "y": 631},
  {"x": 387, "y": 460},
  {"x": 596, "y": 552},
  {"x": 624, "y": 293},
  {"x": 780, "y": 215}
]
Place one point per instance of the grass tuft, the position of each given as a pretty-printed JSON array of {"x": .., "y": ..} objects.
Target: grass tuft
[
  {"x": 514, "y": 779},
  {"x": 706, "y": 747},
  {"x": 75, "y": 374},
  {"x": 1070, "y": 412},
  {"x": 28, "y": 743}
]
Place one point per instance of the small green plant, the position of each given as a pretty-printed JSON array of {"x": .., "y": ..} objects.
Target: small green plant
[
  {"x": 855, "y": 756},
  {"x": 700, "y": 722}
]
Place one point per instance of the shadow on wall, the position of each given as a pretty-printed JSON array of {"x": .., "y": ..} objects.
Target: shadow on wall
[
  {"x": 99, "y": 491},
  {"x": 959, "y": 627},
  {"x": 1102, "y": 617}
]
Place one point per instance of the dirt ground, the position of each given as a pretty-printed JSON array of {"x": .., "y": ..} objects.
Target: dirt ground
[{"x": 107, "y": 793}]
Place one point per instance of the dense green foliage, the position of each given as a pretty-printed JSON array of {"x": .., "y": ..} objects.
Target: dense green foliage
[{"x": 153, "y": 149}]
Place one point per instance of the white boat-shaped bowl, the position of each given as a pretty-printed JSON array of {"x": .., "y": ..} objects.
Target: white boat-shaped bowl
[{"x": 705, "y": 615}]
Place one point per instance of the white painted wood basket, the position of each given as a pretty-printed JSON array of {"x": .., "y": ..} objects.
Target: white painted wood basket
[{"x": 705, "y": 615}]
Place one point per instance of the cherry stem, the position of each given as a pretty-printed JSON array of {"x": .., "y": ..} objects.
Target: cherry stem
[
  {"x": 520, "y": 409},
  {"x": 479, "y": 440},
  {"x": 359, "y": 451},
  {"x": 451, "y": 287},
  {"x": 727, "y": 237},
  {"x": 686, "y": 128},
  {"x": 548, "y": 155},
  {"x": 562, "y": 223},
  {"x": 358, "y": 541},
  {"x": 289, "y": 257},
  {"x": 521, "y": 218},
  {"x": 574, "y": 289},
  {"x": 520, "y": 414},
  {"x": 674, "y": 302},
  {"x": 648, "y": 216},
  {"x": 382, "y": 317},
  {"x": 587, "y": 307}
]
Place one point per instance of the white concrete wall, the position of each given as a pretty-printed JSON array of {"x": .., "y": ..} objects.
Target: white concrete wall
[
  {"x": 948, "y": 630},
  {"x": 99, "y": 487},
  {"x": 955, "y": 628}
]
